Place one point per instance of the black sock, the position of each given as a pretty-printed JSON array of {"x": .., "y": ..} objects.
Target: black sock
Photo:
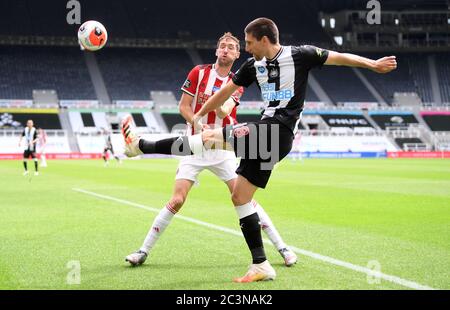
[
  {"x": 25, "y": 165},
  {"x": 35, "y": 165},
  {"x": 171, "y": 146},
  {"x": 252, "y": 233}
]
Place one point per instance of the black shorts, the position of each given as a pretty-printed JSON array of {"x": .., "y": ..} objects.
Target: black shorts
[
  {"x": 260, "y": 145},
  {"x": 28, "y": 153},
  {"x": 106, "y": 149}
]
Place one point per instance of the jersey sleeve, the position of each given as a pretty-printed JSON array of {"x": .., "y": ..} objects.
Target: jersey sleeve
[
  {"x": 246, "y": 74},
  {"x": 236, "y": 96},
  {"x": 35, "y": 135},
  {"x": 190, "y": 84},
  {"x": 311, "y": 56}
]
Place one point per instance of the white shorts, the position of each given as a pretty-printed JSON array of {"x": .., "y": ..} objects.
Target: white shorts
[{"x": 190, "y": 167}]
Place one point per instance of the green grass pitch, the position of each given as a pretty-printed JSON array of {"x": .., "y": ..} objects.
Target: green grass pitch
[{"x": 391, "y": 213}]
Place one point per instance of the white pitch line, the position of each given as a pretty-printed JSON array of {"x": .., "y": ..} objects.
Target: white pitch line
[{"x": 323, "y": 258}]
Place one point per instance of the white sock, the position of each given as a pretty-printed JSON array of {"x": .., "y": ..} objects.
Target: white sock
[
  {"x": 43, "y": 161},
  {"x": 245, "y": 210},
  {"x": 268, "y": 227},
  {"x": 160, "y": 223}
]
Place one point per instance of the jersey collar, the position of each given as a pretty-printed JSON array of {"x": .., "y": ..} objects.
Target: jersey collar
[
  {"x": 218, "y": 75},
  {"x": 277, "y": 55}
]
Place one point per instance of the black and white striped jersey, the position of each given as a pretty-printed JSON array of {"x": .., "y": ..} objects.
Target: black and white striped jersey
[
  {"x": 282, "y": 80},
  {"x": 30, "y": 135}
]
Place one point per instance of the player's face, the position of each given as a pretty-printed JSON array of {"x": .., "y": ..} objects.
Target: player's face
[
  {"x": 30, "y": 123},
  {"x": 254, "y": 47},
  {"x": 227, "y": 52}
]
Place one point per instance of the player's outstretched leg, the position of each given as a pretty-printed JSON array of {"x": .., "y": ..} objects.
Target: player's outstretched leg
[
  {"x": 180, "y": 146},
  {"x": 130, "y": 137}
]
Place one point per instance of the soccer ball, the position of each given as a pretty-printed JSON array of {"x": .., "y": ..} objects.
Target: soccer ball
[{"x": 92, "y": 35}]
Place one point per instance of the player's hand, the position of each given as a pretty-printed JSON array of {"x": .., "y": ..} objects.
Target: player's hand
[
  {"x": 385, "y": 64},
  {"x": 197, "y": 123}
]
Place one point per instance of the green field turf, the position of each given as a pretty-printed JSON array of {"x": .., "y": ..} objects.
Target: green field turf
[{"x": 391, "y": 212}]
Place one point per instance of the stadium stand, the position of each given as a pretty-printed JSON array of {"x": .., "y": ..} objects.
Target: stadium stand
[
  {"x": 406, "y": 143},
  {"x": 61, "y": 68},
  {"x": 443, "y": 69},
  {"x": 397, "y": 81},
  {"x": 11, "y": 119},
  {"x": 437, "y": 121},
  {"x": 345, "y": 119},
  {"x": 384, "y": 119},
  {"x": 130, "y": 74},
  {"x": 419, "y": 71},
  {"x": 172, "y": 119},
  {"x": 342, "y": 85}
]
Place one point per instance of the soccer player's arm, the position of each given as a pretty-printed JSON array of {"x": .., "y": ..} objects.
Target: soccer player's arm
[
  {"x": 217, "y": 100},
  {"x": 381, "y": 65},
  {"x": 35, "y": 138},
  {"x": 185, "y": 107},
  {"x": 225, "y": 110},
  {"x": 243, "y": 77},
  {"x": 189, "y": 89}
]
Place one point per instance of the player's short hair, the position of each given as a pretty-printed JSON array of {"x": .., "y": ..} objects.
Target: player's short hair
[
  {"x": 261, "y": 27},
  {"x": 229, "y": 35}
]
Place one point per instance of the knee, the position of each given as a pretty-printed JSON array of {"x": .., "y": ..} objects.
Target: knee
[
  {"x": 238, "y": 199},
  {"x": 177, "y": 201}
]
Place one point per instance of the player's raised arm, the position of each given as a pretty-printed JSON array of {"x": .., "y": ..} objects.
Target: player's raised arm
[
  {"x": 382, "y": 65},
  {"x": 225, "y": 109}
]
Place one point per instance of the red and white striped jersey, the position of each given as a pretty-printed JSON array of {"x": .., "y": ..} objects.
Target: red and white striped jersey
[
  {"x": 201, "y": 83},
  {"x": 42, "y": 138}
]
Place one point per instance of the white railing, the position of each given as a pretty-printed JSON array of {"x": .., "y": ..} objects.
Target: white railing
[
  {"x": 443, "y": 146},
  {"x": 416, "y": 147},
  {"x": 403, "y": 132},
  {"x": 49, "y": 132},
  {"x": 349, "y": 133}
]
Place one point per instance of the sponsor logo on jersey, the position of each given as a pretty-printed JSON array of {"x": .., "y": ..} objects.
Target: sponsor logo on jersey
[
  {"x": 261, "y": 69},
  {"x": 215, "y": 88},
  {"x": 241, "y": 130},
  {"x": 269, "y": 93},
  {"x": 273, "y": 73}
]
